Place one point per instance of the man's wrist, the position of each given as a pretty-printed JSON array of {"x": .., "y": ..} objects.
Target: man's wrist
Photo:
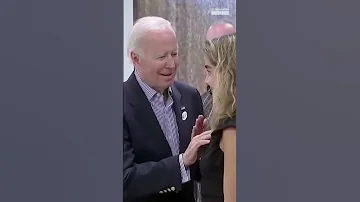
[
  {"x": 185, "y": 173},
  {"x": 184, "y": 160}
]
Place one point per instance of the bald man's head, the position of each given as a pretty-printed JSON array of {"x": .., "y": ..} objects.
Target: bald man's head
[{"x": 220, "y": 29}]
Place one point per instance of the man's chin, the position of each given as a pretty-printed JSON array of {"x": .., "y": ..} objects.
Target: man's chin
[{"x": 169, "y": 82}]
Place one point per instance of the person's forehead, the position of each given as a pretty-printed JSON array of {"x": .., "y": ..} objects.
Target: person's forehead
[
  {"x": 159, "y": 40},
  {"x": 158, "y": 36}
]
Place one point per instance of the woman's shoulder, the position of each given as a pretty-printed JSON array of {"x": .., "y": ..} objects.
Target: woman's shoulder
[{"x": 224, "y": 124}]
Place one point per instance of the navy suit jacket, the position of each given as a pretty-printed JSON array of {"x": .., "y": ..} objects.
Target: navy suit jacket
[{"x": 151, "y": 173}]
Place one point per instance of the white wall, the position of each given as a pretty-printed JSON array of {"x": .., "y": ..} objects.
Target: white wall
[{"x": 128, "y": 23}]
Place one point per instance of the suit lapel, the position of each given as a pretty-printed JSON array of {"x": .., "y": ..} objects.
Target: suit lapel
[
  {"x": 145, "y": 115},
  {"x": 178, "y": 104}
]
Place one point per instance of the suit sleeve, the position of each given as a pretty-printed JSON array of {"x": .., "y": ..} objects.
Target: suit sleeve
[
  {"x": 195, "y": 170},
  {"x": 149, "y": 178}
]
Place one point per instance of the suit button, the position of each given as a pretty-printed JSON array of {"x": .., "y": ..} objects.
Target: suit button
[
  {"x": 172, "y": 188},
  {"x": 161, "y": 192},
  {"x": 169, "y": 190},
  {"x": 165, "y": 191}
]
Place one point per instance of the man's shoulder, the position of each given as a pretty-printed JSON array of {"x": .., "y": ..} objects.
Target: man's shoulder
[
  {"x": 130, "y": 85},
  {"x": 126, "y": 88},
  {"x": 126, "y": 83}
]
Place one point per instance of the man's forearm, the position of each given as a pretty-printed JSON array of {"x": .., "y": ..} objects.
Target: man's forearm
[{"x": 145, "y": 179}]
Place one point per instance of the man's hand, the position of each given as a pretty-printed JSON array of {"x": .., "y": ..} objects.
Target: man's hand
[
  {"x": 200, "y": 126},
  {"x": 191, "y": 154}
]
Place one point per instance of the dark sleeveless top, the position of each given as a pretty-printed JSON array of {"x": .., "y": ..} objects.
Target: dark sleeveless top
[{"x": 212, "y": 165}]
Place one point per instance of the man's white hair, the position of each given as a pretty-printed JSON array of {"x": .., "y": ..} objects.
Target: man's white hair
[{"x": 140, "y": 29}]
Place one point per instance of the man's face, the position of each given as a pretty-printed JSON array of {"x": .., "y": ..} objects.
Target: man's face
[
  {"x": 158, "y": 61},
  {"x": 210, "y": 77}
]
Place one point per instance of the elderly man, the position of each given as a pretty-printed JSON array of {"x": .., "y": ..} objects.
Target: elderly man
[{"x": 160, "y": 145}]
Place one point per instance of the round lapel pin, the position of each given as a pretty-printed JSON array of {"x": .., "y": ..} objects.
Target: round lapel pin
[{"x": 184, "y": 115}]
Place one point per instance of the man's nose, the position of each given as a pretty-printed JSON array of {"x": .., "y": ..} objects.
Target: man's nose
[{"x": 170, "y": 62}]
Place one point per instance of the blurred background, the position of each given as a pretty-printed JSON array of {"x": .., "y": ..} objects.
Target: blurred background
[{"x": 191, "y": 20}]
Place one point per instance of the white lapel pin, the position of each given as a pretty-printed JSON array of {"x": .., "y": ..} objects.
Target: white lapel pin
[
  {"x": 184, "y": 115},
  {"x": 182, "y": 108}
]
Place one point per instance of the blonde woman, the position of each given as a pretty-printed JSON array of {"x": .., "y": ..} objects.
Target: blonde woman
[{"x": 218, "y": 159}]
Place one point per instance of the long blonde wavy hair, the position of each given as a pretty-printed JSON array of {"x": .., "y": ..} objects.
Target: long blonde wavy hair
[{"x": 221, "y": 53}]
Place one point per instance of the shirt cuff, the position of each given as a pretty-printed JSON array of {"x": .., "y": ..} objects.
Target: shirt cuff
[{"x": 185, "y": 172}]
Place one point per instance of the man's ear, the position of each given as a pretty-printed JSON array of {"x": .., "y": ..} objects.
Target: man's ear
[{"x": 134, "y": 58}]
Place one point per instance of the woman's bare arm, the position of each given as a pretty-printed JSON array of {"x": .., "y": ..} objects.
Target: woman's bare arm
[{"x": 228, "y": 146}]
